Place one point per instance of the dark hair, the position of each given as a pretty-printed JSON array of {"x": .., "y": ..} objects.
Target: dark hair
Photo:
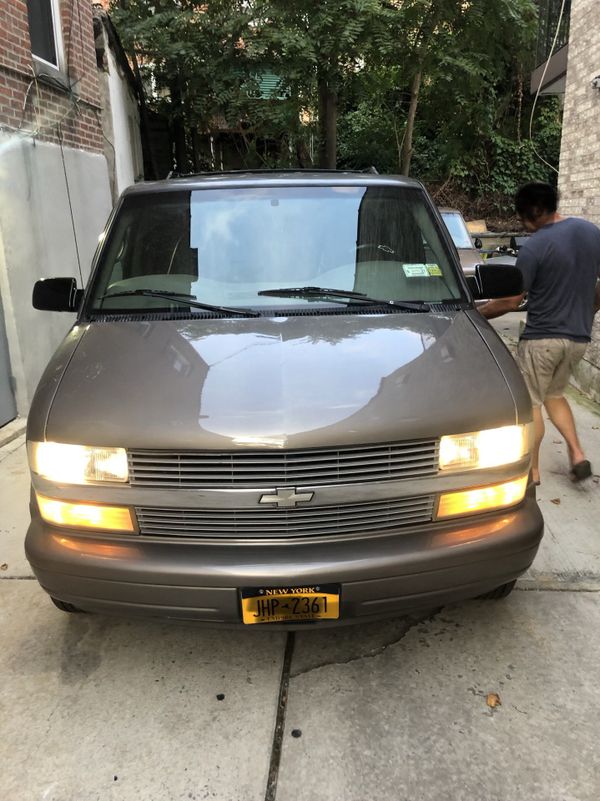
[{"x": 535, "y": 199}]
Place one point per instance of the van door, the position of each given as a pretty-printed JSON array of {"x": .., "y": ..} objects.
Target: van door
[{"x": 8, "y": 409}]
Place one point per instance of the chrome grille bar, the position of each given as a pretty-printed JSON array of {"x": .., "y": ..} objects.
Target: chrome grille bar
[
  {"x": 272, "y": 522},
  {"x": 203, "y": 469}
]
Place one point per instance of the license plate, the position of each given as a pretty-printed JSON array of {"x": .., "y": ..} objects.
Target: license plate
[{"x": 290, "y": 604}]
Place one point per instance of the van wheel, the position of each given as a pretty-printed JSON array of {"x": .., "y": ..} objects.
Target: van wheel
[
  {"x": 503, "y": 591},
  {"x": 65, "y": 607}
]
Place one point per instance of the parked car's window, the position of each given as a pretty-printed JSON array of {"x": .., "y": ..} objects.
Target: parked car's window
[
  {"x": 223, "y": 246},
  {"x": 458, "y": 229}
]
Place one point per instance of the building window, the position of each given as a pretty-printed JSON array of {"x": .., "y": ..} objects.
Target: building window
[{"x": 44, "y": 31}]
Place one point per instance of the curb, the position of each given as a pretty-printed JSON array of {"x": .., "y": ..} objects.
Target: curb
[{"x": 12, "y": 431}]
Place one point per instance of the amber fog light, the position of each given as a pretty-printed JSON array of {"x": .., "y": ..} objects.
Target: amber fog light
[
  {"x": 482, "y": 499},
  {"x": 85, "y": 515}
]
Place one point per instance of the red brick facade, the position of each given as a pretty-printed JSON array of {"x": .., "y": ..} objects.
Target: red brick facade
[{"x": 44, "y": 109}]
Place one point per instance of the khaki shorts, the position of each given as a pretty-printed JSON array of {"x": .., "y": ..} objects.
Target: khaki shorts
[{"x": 547, "y": 365}]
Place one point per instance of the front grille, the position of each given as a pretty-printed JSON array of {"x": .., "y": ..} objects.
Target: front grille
[
  {"x": 304, "y": 521},
  {"x": 358, "y": 464}
]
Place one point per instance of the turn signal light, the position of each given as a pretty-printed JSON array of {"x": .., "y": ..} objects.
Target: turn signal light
[
  {"x": 483, "y": 499},
  {"x": 85, "y": 515}
]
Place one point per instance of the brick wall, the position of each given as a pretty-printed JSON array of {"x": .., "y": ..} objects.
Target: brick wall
[
  {"x": 579, "y": 176},
  {"x": 32, "y": 105}
]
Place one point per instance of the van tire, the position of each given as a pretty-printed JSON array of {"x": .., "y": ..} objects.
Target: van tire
[
  {"x": 503, "y": 591},
  {"x": 66, "y": 607}
]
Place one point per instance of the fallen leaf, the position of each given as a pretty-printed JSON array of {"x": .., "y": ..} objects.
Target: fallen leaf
[
  {"x": 3, "y": 566},
  {"x": 555, "y": 500},
  {"x": 493, "y": 700}
]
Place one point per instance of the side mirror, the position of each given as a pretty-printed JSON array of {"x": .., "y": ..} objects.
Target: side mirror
[
  {"x": 495, "y": 281},
  {"x": 517, "y": 242},
  {"x": 478, "y": 243},
  {"x": 56, "y": 294}
]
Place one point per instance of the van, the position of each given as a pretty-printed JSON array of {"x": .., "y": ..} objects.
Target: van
[{"x": 278, "y": 405}]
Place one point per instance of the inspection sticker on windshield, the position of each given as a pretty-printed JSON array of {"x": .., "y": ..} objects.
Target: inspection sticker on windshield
[
  {"x": 433, "y": 269},
  {"x": 415, "y": 270}
]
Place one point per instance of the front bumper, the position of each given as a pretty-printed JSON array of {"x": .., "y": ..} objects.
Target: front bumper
[{"x": 380, "y": 575}]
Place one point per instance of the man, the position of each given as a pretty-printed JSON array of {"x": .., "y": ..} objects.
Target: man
[{"x": 560, "y": 265}]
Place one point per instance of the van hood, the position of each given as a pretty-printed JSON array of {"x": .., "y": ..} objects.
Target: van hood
[{"x": 274, "y": 382}]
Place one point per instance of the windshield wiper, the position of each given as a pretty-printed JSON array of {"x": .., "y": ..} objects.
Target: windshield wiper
[
  {"x": 355, "y": 298},
  {"x": 180, "y": 297}
]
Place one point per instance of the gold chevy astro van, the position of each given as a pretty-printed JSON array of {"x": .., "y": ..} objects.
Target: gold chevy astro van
[{"x": 278, "y": 405}]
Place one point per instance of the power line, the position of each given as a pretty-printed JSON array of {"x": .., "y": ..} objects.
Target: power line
[
  {"x": 62, "y": 154},
  {"x": 539, "y": 89}
]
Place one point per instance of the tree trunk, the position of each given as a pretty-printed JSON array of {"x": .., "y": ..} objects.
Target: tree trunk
[
  {"x": 519, "y": 102},
  {"x": 328, "y": 111},
  {"x": 181, "y": 159},
  {"x": 407, "y": 146},
  {"x": 178, "y": 126},
  {"x": 331, "y": 138},
  {"x": 150, "y": 167},
  {"x": 195, "y": 150}
]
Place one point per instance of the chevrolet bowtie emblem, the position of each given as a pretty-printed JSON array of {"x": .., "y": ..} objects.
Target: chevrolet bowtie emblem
[{"x": 287, "y": 497}]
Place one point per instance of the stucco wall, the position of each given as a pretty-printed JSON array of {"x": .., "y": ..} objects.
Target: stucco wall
[
  {"x": 126, "y": 127},
  {"x": 36, "y": 241},
  {"x": 579, "y": 176},
  {"x": 121, "y": 126}
]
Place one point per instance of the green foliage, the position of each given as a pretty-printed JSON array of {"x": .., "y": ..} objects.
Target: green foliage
[{"x": 204, "y": 63}]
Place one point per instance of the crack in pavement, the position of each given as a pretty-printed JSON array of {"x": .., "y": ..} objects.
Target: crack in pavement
[
  {"x": 411, "y": 622},
  {"x": 277, "y": 744}
]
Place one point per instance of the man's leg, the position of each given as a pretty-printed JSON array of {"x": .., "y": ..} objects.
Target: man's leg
[
  {"x": 538, "y": 422},
  {"x": 561, "y": 415}
]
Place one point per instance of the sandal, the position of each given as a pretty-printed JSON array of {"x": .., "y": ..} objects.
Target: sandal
[{"x": 581, "y": 471}]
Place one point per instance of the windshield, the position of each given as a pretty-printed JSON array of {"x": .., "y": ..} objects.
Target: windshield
[
  {"x": 458, "y": 230},
  {"x": 225, "y": 246}
]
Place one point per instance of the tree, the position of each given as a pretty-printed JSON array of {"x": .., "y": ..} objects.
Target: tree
[
  {"x": 430, "y": 87},
  {"x": 317, "y": 45},
  {"x": 190, "y": 56},
  {"x": 460, "y": 46}
]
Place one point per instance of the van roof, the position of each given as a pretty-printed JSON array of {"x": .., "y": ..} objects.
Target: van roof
[{"x": 254, "y": 178}]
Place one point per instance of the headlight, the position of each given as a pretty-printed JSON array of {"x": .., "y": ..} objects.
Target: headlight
[
  {"x": 490, "y": 448},
  {"x": 77, "y": 464}
]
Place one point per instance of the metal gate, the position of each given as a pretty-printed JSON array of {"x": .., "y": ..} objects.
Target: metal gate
[{"x": 8, "y": 409}]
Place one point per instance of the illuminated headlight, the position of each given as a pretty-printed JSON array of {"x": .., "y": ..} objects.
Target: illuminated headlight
[
  {"x": 77, "y": 464},
  {"x": 490, "y": 448}
]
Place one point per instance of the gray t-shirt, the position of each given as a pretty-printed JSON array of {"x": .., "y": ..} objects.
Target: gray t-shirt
[{"x": 560, "y": 265}]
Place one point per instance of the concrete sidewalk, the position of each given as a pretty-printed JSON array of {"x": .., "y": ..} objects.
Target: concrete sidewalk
[
  {"x": 569, "y": 557},
  {"x": 99, "y": 709}
]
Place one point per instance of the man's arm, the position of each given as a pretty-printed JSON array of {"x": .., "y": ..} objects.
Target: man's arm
[{"x": 496, "y": 308}]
